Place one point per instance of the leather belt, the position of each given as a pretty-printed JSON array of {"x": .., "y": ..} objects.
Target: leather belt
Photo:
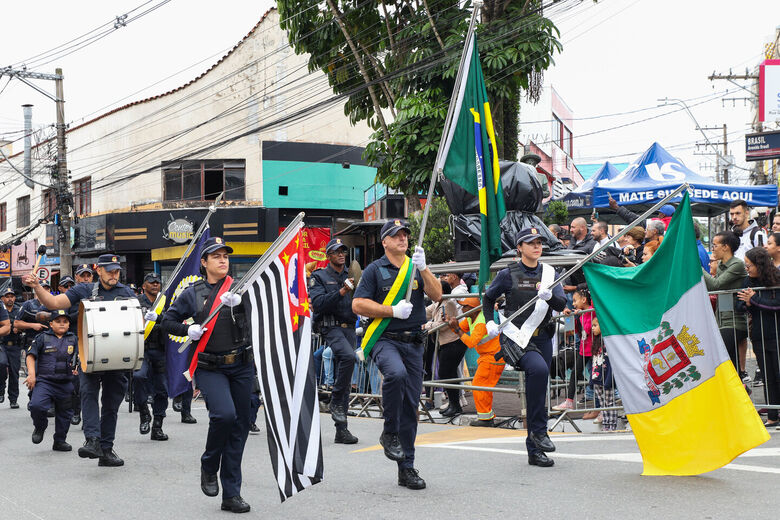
[
  {"x": 406, "y": 337},
  {"x": 232, "y": 357}
]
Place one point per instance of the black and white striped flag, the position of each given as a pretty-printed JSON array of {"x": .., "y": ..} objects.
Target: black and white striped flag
[{"x": 281, "y": 338}]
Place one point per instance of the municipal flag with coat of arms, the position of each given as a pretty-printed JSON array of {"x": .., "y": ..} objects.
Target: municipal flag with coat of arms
[
  {"x": 469, "y": 157},
  {"x": 686, "y": 404}
]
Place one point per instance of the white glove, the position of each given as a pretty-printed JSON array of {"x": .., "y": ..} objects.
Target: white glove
[
  {"x": 348, "y": 284},
  {"x": 492, "y": 329},
  {"x": 195, "y": 332},
  {"x": 230, "y": 299},
  {"x": 150, "y": 316},
  {"x": 418, "y": 258},
  {"x": 359, "y": 355},
  {"x": 544, "y": 293},
  {"x": 359, "y": 331},
  {"x": 402, "y": 310}
]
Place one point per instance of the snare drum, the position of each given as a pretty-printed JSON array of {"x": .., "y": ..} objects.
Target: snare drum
[{"x": 111, "y": 335}]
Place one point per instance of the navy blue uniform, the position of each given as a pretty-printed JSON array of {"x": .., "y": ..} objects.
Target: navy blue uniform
[
  {"x": 337, "y": 325},
  {"x": 100, "y": 421},
  {"x": 55, "y": 359},
  {"x": 538, "y": 357},
  {"x": 399, "y": 360},
  {"x": 225, "y": 375},
  {"x": 151, "y": 375},
  {"x": 10, "y": 355}
]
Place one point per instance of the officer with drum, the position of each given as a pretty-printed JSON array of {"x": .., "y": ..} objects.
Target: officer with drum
[
  {"x": 520, "y": 282},
  {"x": 225, "y": 370},
  {"x": 330, "y": 290},
  {"x": 51, "y": 359},
  {"x": 153, "y": 370},
  {"x": 398, "y": 340},
  {"x": 11, "y": 346},
  {"x": 99, "y": 424}
]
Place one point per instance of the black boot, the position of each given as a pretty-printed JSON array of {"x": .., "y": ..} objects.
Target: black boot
[
  {"x": 187, "y": 418},
  {"x": 177, "y": 404},
  {"x": 235, "y": 505},
  {"x": 76, "y": 419},
  {"x": 37, "y": 436},
  {"x": 91, "y": 449},
  {"x": 157, "y": 431},
  {"x": 146, "y": 418},
  {"x": 344, "y": 436},
  {"x": 338, "y": 413},
  {"x": 208, "y": 484},
  {"x": 452, "y": 411},
  {"x": 392, "y": 446},
  {"x": 539, "y": 458},
  {"x": 61, "y": 446},
  {"x": 111, "y": 459},
  {"x": 410, "y": 478}
]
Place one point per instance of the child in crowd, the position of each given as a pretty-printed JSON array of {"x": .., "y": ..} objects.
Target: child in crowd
[
  {"x": 601, "y": 377},
  {"x": 582, "y": 302}
]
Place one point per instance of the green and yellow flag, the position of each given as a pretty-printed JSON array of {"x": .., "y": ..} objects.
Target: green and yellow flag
[{"x": 470, "y": 159}]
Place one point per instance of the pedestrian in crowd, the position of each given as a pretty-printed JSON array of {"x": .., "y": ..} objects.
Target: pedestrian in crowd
[
  {"x": 763, "y": 305},
  {"x": 435, "y": 315},
  {"x": 704, "y": 257},
  {"x": 776, "y": 223},
  {"x": 151, "y": 377},
  {"x": 472, "y": 331},
  {"x": 451, "y": 348},
  {"x": 654, "y": 230},
  {"x": 556, "y": 230},
  {"x": 520, "y": 282},
  {"x": 649, "y": 248},
  {"x": 601, "y": 378},
  {"x": 457, "y": 284},
  {"x": 225, "y": 370},
  {"x": 582, "y": 240},
  {"x": 11, "y": 344},
  {"x": 665, "y": 214},
  {"x": 728, "y": 272},
  {"x": 398, "y": 349},
  {"x": 749, "y": 233},
  {"x": 99, "y": 422},
  {"x": 51, "y": 362},
  {"x": 582, "y": 359},
  {"x": 773, "y": 248},
  {"x": 330, "y": 292},
  {"x": 600, "y": 233}
]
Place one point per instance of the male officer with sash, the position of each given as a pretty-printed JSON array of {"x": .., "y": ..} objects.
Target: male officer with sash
[
  {"x": 152, "y": 373},
  {"x": 10, "y": 349},
  {"x": 330, "y": 290},
  {"x": 520, "y": 282},
  {"x": 99, "y": 424},
  {"x": 395, "y": 339}
]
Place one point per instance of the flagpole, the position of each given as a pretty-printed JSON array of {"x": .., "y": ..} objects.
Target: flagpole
[
  {"x": 262, "y": 263},
  {"x": 447, "y": 122},
  {"x": 598, "y": 250}
]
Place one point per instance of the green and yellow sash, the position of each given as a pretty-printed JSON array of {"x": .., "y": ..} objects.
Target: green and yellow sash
[{"x": 396, "y": 294}]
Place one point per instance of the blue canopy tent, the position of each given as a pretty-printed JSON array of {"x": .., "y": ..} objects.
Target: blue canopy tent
[
  {"x": 656, "y": 173},
  {"x": 580, "y": 199}
]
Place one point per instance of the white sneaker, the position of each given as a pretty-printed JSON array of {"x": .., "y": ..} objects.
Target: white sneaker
[
  {"x": 463, "y": 401},
  {"x": 599, "y": 419}
]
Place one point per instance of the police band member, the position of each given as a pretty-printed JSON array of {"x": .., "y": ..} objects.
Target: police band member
[
  {"x": 51, "y": 362},
  {"x": 151, "y": 376},
  {"x": 99, "y": 424},
  {"x": 225, "y": 372},
  {"x": 65, "y": 283},
  {"x": 27, "y": 322},
  {"x": 330, "y": 290},
  {"x": 84, "y": 273},
  {"x": 10, "y": 349},
  {"x": 398, "y": 352},
  {"x": 520, "y": 282}
]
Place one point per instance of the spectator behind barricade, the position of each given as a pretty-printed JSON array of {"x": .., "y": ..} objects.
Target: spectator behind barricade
[
  {"x": 704, "y": 257},
  {"x": 665, "y": 214},
  {"x": 556, "y": 230},
  {"x": 629, "y": 254},
  {"x": 469, "y": 279},
  {"x": 773, "y": 248},
  {"x": 655, "y": 229},
  {"x": 750, "y": 235},
  {"x": 763, "y": 305},
  {"x": 600, "y": 233},
  {"x": 776, "y": 223},
  {"x": 728, "y": 272},
  {"x": 435, "y": 316},
  {"x": 456, "y": 283},
  {"x": 582, "y": 302},
  {"x": 650, "y": 248},
  {"x": 582, "y": 240},
  {"x": 472, "y": 331},
  {"x": 601, "y": 378}
]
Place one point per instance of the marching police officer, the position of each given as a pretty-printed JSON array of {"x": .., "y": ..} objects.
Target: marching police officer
[
  {"x": 225, "y": 372},
  {"x": 152, "y": 373},
  {"x": 83, "y": 273},
  {"x": 65, "y": 283},
  {"x": 99, "y": 425},
  {"x": 51, "y": 359},
  {"x": 10, "y": 349},
  {"x": 27, "y": 320},
  {"x": 520, "y": 282},
  {"x": 330, "y": 290},
  {"x": 398, "y": 340}
]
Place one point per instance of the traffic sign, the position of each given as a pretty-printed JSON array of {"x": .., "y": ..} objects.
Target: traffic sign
[{"x": 44, "y": 274}]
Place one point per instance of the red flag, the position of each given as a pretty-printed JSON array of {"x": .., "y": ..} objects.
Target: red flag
[{"x": 293, "y": 259}]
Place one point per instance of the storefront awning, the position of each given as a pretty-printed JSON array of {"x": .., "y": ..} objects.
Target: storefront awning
[{"x": 239, "y": 249}]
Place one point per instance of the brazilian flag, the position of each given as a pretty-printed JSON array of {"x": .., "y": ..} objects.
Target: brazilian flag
[{"x": 470, "y": 159}]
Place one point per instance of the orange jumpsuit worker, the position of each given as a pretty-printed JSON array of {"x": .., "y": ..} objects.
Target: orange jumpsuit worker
[{"x": 472, "y": 331}]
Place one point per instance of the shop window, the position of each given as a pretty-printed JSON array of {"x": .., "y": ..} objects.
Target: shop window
[{"x": 204, "y": 180}]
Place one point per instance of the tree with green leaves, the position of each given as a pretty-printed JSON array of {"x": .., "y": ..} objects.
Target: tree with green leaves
[
  {"x": 556, "y": 212},
  {"x": 438, "y": 244},
  {"x": 396, "y": 60}
]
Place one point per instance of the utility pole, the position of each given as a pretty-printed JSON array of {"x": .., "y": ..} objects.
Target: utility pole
[
  {"x": 725, "y": 154},
  {"x": 63, "y": 192},
  {"x": 61, "y": 184},
  {"x": 722, "y": 160}
]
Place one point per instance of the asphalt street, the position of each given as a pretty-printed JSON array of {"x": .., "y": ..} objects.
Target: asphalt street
[{"x": 470, "y": 472}]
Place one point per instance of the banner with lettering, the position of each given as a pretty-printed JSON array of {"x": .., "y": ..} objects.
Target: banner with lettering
[{"x": 314, "y": 241}]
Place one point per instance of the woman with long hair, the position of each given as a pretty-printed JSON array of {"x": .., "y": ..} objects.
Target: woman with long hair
[{"x": 763, "y": 305}]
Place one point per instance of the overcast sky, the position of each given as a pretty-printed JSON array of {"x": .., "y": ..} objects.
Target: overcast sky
[{"x": 619, "y": 56}]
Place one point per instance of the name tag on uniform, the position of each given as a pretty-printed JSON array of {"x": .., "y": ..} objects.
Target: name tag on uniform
[{"x": 331, "y": 283}]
